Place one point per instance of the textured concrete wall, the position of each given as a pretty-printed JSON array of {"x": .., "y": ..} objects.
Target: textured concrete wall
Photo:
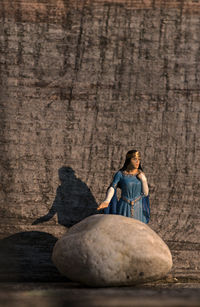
[{"x": 83, "y": 82}]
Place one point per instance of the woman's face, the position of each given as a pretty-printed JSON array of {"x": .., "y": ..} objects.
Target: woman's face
[{"x": 135, "y": 162}]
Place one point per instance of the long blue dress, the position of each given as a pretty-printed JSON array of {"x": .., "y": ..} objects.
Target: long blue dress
[{"x": 130, "y": 203}]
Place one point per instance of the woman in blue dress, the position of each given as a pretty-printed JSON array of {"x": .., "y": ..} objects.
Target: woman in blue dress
[{"x": 134, "y": 188}]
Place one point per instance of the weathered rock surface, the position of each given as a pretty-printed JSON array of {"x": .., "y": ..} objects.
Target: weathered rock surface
[
  {"x": 83, "y": 82},
  {"x": 111, "y": 250}
]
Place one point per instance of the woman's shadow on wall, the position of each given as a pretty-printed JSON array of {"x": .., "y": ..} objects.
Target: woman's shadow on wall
[{"x": 73, "y": 202}]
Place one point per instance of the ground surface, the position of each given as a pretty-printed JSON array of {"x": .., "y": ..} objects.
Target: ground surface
[{"x": 69, "y": 294}]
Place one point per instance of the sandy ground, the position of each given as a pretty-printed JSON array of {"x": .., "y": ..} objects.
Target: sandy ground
[{"x": 72, "y": 294}]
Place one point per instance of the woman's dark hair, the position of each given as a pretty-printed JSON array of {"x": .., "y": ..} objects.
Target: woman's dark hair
[{"x": 130, "y": 154}]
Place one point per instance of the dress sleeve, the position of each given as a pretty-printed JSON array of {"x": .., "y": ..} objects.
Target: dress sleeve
[
  {"x": 145, "y": 188},
  {"x": 116, "y": 180}
]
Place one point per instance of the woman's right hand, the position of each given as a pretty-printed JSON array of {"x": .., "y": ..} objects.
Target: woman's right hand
[{"x": 103, "y": 205}]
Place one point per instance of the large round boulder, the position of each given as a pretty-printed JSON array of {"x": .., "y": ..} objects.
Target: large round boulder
[{"x": 111, "y": 250}]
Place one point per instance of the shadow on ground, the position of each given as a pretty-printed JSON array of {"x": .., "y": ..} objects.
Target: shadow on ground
[{"x": 26, "y": 256}]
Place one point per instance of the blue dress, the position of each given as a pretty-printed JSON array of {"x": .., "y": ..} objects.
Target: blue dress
[{"x": 130, "y": 203}]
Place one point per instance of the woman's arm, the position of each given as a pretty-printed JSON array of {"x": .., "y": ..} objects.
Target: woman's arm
[
  {"x": 145, "y": 187},
  {"x": 109, "y": 194},
  {"x": 110, "y": 191},
  {"x": 108, "y": 198}
]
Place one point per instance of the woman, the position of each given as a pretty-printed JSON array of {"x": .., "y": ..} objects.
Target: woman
[{"x": 134, "y": 189}]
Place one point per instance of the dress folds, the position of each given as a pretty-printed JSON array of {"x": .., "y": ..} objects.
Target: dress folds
[{"x": 130, "y": 202}]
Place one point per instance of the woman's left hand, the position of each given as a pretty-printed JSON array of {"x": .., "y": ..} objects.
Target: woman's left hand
[{"x": 141, "y": 176}]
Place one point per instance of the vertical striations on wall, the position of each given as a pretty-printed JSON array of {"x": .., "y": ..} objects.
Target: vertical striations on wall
[{"x": 83, "y": 82}]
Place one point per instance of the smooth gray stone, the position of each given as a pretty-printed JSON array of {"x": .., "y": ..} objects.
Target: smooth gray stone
[{"x": 111, "y": 250}]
